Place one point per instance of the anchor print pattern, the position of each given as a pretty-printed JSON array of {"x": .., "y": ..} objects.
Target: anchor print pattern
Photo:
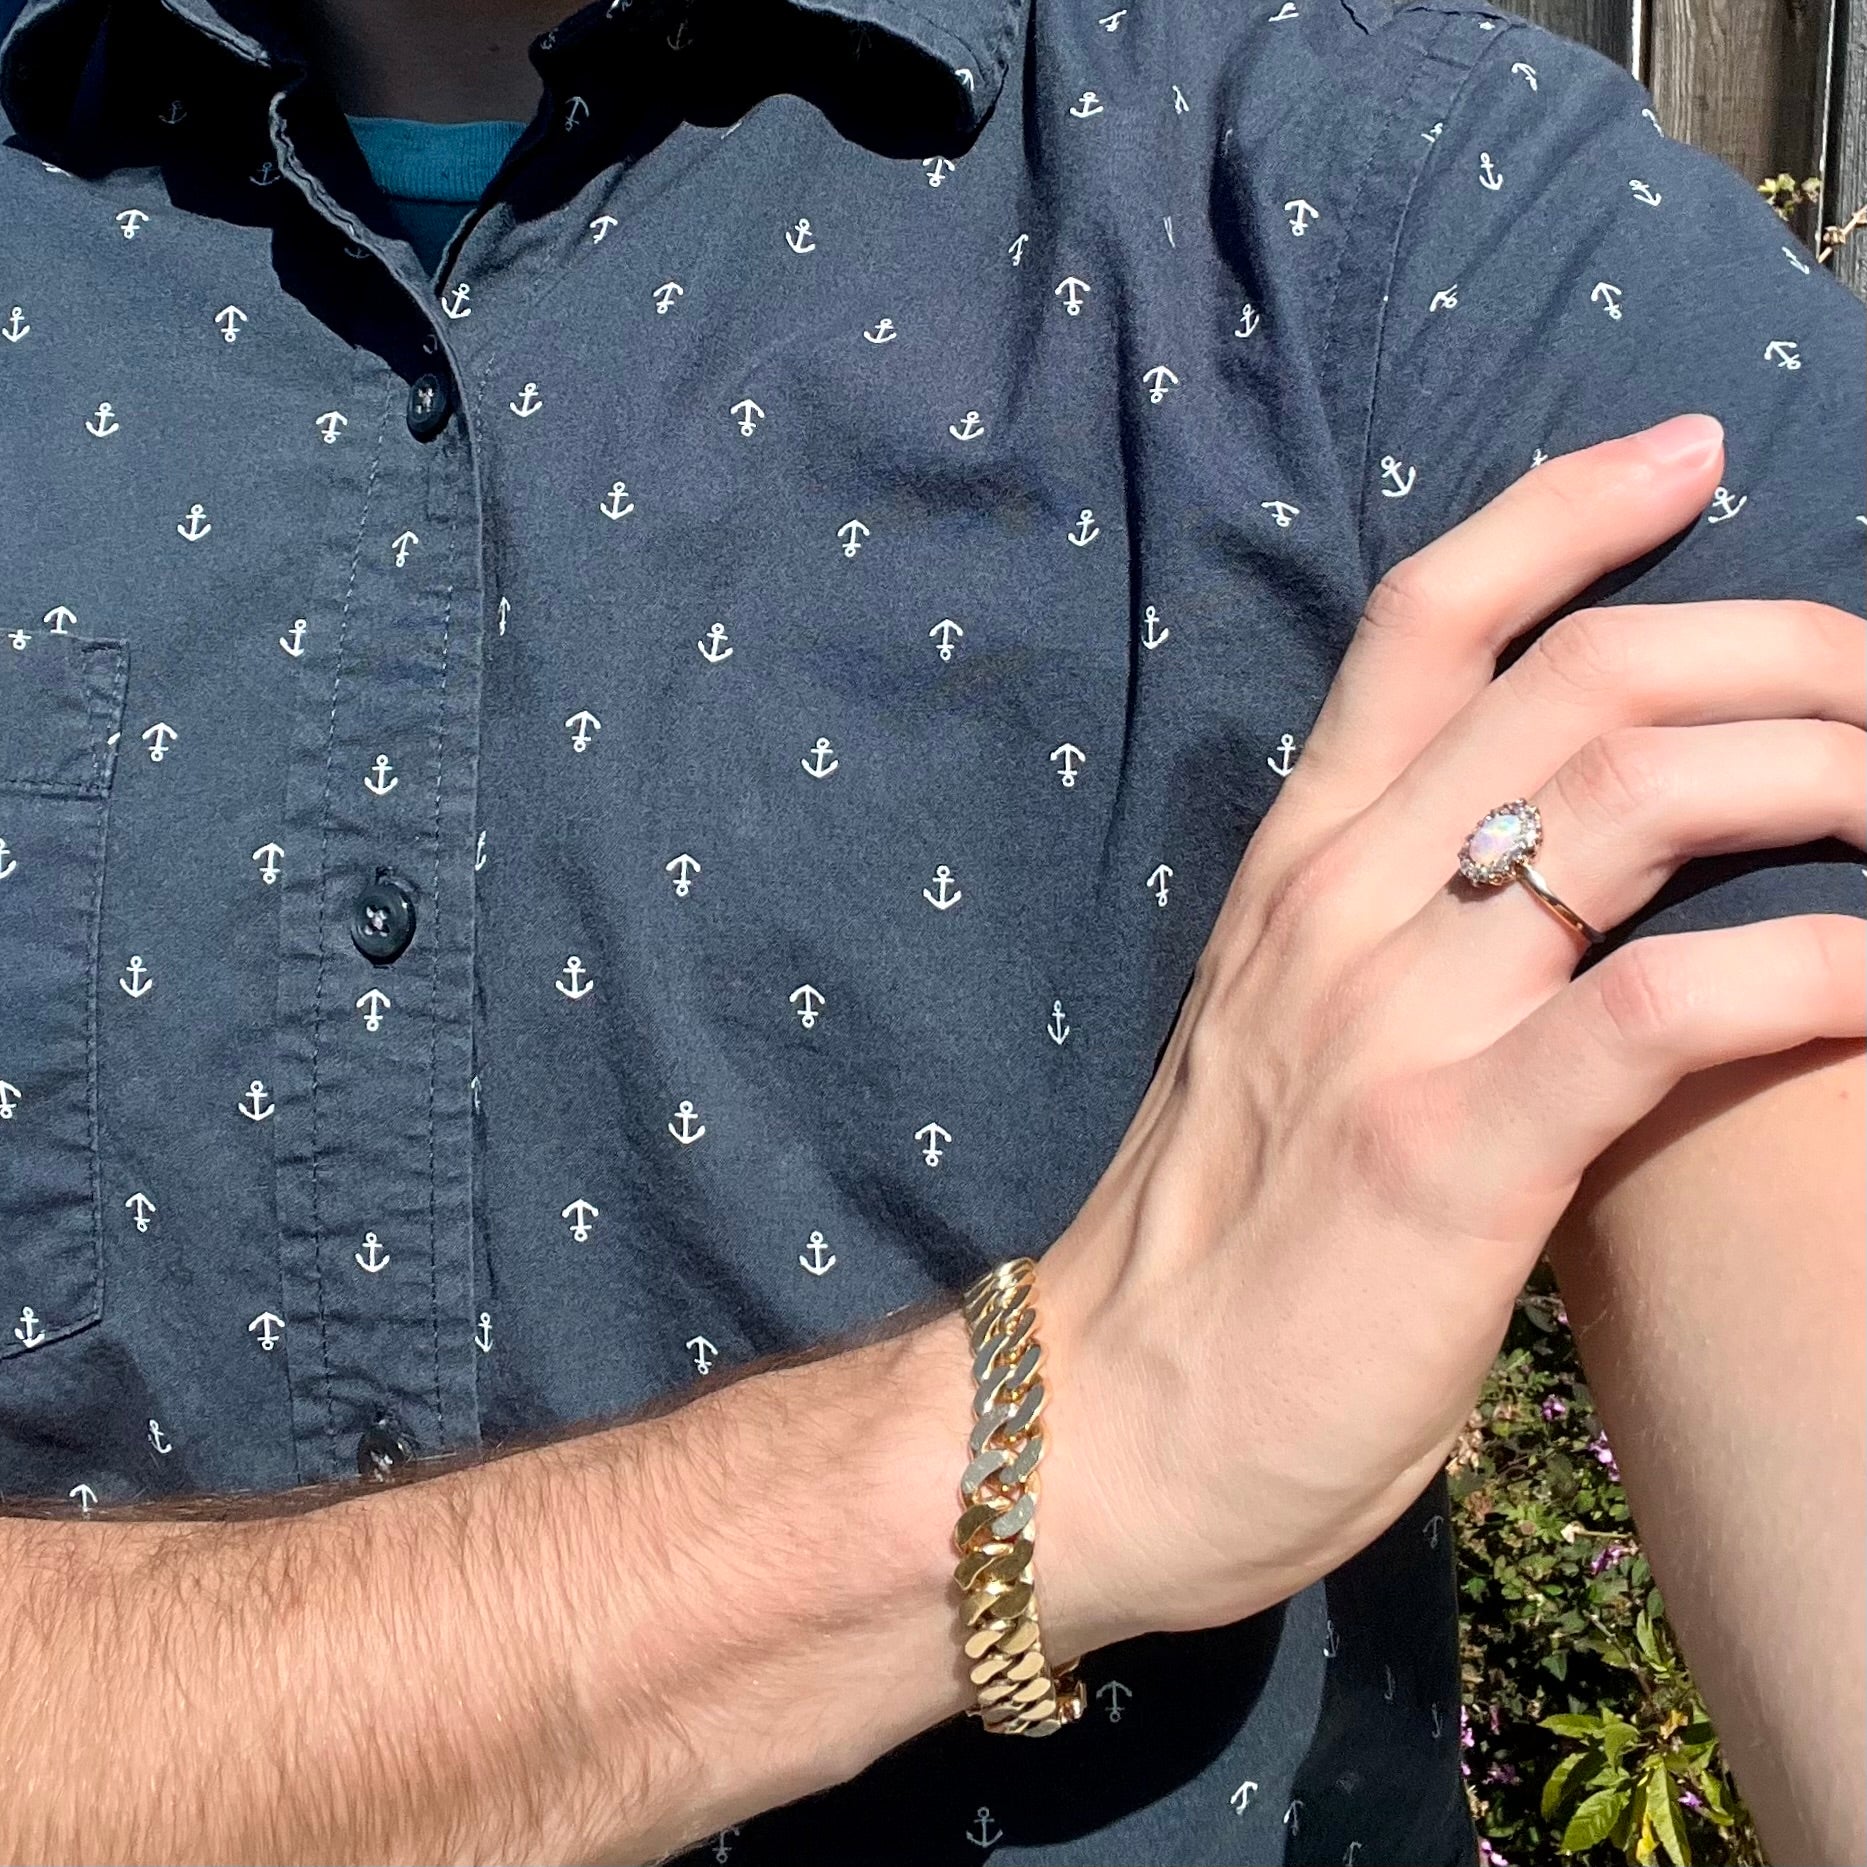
[{"x": 908, "y": 579}]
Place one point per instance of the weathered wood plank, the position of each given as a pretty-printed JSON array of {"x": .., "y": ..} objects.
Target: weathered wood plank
[
  {"x": 1846, "y": 175},
  {"x": 1607, "y": 25}
]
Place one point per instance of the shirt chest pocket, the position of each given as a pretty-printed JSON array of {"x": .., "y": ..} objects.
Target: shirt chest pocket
[{"x": 61, "y": 706}]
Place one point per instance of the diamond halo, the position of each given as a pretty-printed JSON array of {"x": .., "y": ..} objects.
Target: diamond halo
[{"x": 1504, "y": 837}]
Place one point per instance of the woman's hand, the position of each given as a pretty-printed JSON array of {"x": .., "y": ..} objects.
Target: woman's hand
[{"x": 1272, "y": 1316}]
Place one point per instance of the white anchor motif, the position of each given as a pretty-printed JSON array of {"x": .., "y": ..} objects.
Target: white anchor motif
[
  {"x": 455, "y": 303},
  {"x": 938, "y": 169},
  {"x": 136, "y": 979},
  {"x": 373, "y": 1004},
  {"x": 1284, "y": 757},
  {"x": 1652, "y": 119},
  {"x": 1387, "y": 1691},
  {"x": 141, "y": 1209},
  {"x": 985, "y": 1832},
  {"x": 964, "y": 74},
  {"x": 1058, "y": 1026},
  {"x": 714, "y": 647},
  {"x": 1180, "y": 105},
  {"x": 1016, "y": 248},
  {"x": 1728, "y": 508},
  {"x": 800, "y": 239},
  {"x": 580, "y": 1212},
  {"x": 60, "y": 619},
  {"x": 158, "y": 738},
  {"x": 8, "y": 862},
  {"x": 529, "y": 402},
  {"x": 9, "y": 1099},
  {"x": 331, "y": 424},
  {"x": 129, "y": 220},
  {"x": 1643, "y": 193},
  {"x": 1241, "y": 1796},
  {"x": 969, "y": 429},
  {"x": 1160, "y": 382},
  {"x": 705, "y": 1352},
  {"x": 600, "y": 226},
  {"x": 946, "y": 632},
  {"x": 809, "y": 1003},
  {"x": 943, "y": 880},
  {"x": 575, "y": 112},
  {"x": 86, "y": 1498},
  {"x": 1526, "y": 72},
  {"x": 230, "y": 318},
  {"x": 1489, "y": 175},
  {"x": 1782, "y": 352},
  {"x": 479, "y": 852},
  {"x": 883, "y": 333},
  {"x": 505, "y": 610},
  {"x": 683, "y": 868},
  {"x": 19, "y": 638},
  {"x": 1152, "y": 633},
  {"x": 1072, "y": 291},
  {"x": 1073, "y": 757},
  {"x": 1249, "y": 318},
  {"x": 1158, "y": 881},
  {"x": 665, "y": 294},
  {"x": 1431, "y": 1528},
  {"x": 381, "y": 780},
  {"x": 852, "y": 534},
  {"x": 1088, "y": 105},
  {"x": 293, "y": 642},
  {"x": 27, "y": 1330},
  {"x": 16, "y": 326},
  {"x": 930, "y": 1135},
  {"x": 1332, "y": 1642},
  {"x": 267, "y": 1327},
  {"x": 582, "y": 726},
  {"x": 172, "y": 112},
  {"x": 373, "y": 1257},
  {"x": 814, "y": 762},
  {"x": 1286, "y": 11},
  {"x": 1111, "y": 22},
  {"x": 1438, "y": 1722},
  {"x": 1086, "y": 531},
  {"x": 159, "y": 1442},
  {"x": 1114, "y": 1692},
  {"x": 1293, "y": 1817},
  {"x": 483, "y": 1333},
  {"x": 689, "y": 1130},
  {"x": 817, "y": 1264},
  {"x": 1432, "y": 135},
  {"x": 579, "y": 985},
  {"x": 195, "y": 526},
  {"x": 265, "y": 175},
  {"x": 749, "y": 414},
  {"x": 1445, "y": 299},
  {"x": 256, "y": 1105},
  {"x": 1280, "y": 509},
  {"x": 1352, "y": 1855},
  {"x": 618, "y": 505},
  {"x": 1301, "y": 214},
  {"x": 403, "y": 543},
  {"x": 1402, "y": 481},
  {"x": 269, "y": 856},
  {"x": 1795, "y": 259},
  {"x": 1608, "y": 296},
  {"x": 104, "y": 422}
]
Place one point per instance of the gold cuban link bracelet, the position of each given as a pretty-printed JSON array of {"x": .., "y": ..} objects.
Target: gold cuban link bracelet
[{"x": 1019, "y": 1693}]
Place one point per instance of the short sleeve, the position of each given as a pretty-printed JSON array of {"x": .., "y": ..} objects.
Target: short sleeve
[{"x": 1566, "y": 272}]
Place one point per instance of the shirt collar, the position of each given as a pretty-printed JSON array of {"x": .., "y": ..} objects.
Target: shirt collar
[{"x": 55, "y": 48}]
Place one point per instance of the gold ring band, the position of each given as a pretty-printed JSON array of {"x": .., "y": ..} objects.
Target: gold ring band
[{"x": 1499, "y": 850}]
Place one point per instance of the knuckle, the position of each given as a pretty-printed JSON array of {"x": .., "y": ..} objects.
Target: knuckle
[
  {"x": 1404, "y": 601},
  {"x": 1618, "y": 777},
  {"x": 1645, "y": 990},
  {"x": 1589, "y": 651}
]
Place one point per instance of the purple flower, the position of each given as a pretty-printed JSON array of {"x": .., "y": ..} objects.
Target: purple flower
[
  {"x": 1604, "y": 1453},
  {"x": 1503, "y": 1773},
  {"x": 1612, "y": 1552},
  {"x": 1562, "y": 1314},
  {"x": 1554, "y": 1407},
  {"x": 1489, "y": 1856},
  {"x": 1466, "y": 1739},
  {"x": 1688, "y": 1800}
]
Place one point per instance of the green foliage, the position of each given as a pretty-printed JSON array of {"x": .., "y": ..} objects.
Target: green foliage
[{"x": 1585, "y": 1739}]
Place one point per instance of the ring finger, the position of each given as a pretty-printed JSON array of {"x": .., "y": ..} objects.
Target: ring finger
[{"x": 1618, "y": 819}]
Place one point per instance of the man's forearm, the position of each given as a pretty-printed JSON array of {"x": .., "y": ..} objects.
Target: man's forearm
[{"x": 604, "y": 1648}]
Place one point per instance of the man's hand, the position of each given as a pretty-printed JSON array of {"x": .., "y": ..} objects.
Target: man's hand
[{"x": 1277, "y": 1306}]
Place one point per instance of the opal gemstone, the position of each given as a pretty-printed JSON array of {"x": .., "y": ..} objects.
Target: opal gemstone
[{"x": 1498, "y": 839}]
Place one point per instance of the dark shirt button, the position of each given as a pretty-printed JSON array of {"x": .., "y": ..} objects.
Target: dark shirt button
[
  {"x": 382, "y": 919},
  {"x": 383, "y": 1454},
  {"x": 429, "y": 405}
]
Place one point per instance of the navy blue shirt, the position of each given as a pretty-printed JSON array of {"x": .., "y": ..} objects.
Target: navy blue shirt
[{"x": 651, "y": 797}]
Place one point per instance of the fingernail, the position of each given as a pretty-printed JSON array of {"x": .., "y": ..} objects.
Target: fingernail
[{"x": 1684, "y": 441}]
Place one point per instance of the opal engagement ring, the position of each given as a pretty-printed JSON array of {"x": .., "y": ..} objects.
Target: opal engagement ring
[{"x": 1499, "y": 851}]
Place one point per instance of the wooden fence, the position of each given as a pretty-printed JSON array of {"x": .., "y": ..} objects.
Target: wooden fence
[{"x": 1772, "y": 86}]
